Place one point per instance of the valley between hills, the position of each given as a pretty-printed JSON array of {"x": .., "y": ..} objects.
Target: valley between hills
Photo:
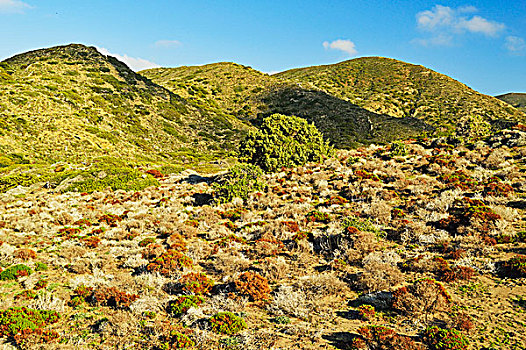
[{"x": 369, "y": 204}]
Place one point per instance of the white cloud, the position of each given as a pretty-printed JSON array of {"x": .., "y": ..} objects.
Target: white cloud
[
  {"x": 515, "y": 44},
  {"x": 135, "y": 63},
  {"x": 342, "y": 45},
  {"x": 167, "y": 43},
  {"x": 13, "y": 6},
  {"x": 446, "y": 22},
  {"x": 481, "y": 25}
]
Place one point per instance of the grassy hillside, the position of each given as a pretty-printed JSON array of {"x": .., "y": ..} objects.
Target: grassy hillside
[
  {"x": 231, "y": 90},
  {"x": 403, "y": 90},
  {"x": 73, "y": 103},
  {"x": 517, "y": 100}
]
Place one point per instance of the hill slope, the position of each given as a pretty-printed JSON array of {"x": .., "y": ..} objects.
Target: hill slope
[
  {"x": 402, "y": 90},
  {"x": 233, "y": 90},
  {"x": 71, "y": 102},
  {"x": 517, "y": 100}
]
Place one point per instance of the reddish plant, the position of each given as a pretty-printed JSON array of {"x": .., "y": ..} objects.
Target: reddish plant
[
  {"x": 291, "y": 226},
  {"x": 25, "y": 254},
  {"x": 169, "y": 262},
  {"x": 28, "y": 338},
  {"x": 253, "y": 285},
  {"x": 383, "y": 338},
  {"x": 196, "y": 283},
  {"x": 155, "y": 173},
  {"x": 91, "y": 241},
  {"x": 111, "y": 296},
  {"x": 111, "y": 219}
]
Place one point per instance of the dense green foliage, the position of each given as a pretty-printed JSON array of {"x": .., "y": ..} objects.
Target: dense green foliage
[
  {"x": 284, "y": 141},
  {"x": 240, "y": 181}
]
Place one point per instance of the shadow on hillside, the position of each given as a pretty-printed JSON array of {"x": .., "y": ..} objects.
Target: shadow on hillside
[
  {"x": 340, "y": 340},
  {"x": 342, "y": 122}
]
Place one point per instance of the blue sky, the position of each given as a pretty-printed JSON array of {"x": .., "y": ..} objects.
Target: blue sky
[{"x": 480, "y": 43}]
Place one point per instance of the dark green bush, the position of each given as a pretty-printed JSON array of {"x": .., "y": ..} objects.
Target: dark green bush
[
  {"x": 284, "y": 141},
  {"x": 240, "y": 181}
]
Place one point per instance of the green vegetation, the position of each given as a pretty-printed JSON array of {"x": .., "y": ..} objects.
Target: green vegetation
[
  {"x": 18, "y": 319},
  {"x": 403, "y": 90},
  {"x": 240, "y": 181},
  {"x": 226, "y": 323},
  {"x": 284, "y": 141},
  {"x": 180, "y": 305},
  {"x": 517, "y": 100},
  {"x": 15, "y": 271}
]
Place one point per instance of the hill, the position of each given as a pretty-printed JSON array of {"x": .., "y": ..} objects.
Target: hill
[
  {"x": 517, "y": 100},
  {"x": 404, "y": 90},
  {"x": 73, "y": 103},
  {"x": 232, "y": 90}
]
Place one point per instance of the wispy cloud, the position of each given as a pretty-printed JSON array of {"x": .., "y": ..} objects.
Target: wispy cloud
[
  {"x": 167, "y": 43},
  {"x": 346, "y": 46},
  {"x": 515, "y": 45},
  {"x": 13, "y": 6},
  {"x": 445, "y": 23},
  {"x": 135, "y": 63}
]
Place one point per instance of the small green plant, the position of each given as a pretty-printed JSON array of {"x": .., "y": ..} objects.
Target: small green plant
[
  {"x": 445, "y": 339},
  {"x": 240, "y": 181},
  {"x": 366, "y": 312},
  {"x": 397, "y": 149},
  {"x": 284, "y": 141},
  {"x": 40, "y": 266},
  {"x": 281, "y": 320},
  {"x": 177, "y": 340},
  {"x": 226, "y": 323},
  {"x": 318, "y": 216},
  {"x": 15, "y": 271},
  {"x": 180, "y": 305}
]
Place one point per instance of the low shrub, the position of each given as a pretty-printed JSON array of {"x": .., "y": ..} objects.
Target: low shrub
[
  {"x": 177, "y": 340},
  {"x": 423, "y": 298},
  {"x": 169, "y": 262},
  {"x": 253, "y": 285},
  {"x": 196, "y": 283},
  {"x": 15, "y": 271},
  {"x": 226, "y": 323},
  {"x": 382, "y": 338},
  {"x": 25, "y": 254},
  {"x": 180, "y": 305},
  {"x": 240, "y": 181},
  {"x": 17, "y": 319},
  {"x": 366, "y": 312},
  {"x": 111, "y": 296},
  {"x": 318, "y": 216},
  {"x": 445, "y": 339}
]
